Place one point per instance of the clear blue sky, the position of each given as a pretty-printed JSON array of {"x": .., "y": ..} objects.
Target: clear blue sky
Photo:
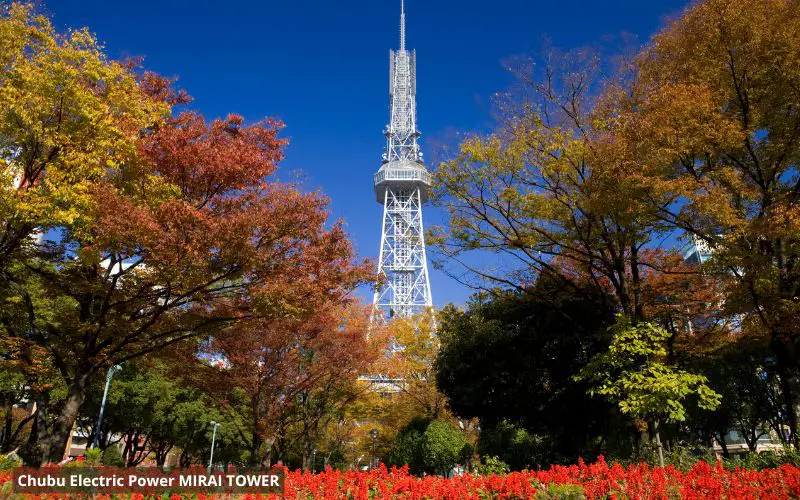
[{"x": 322, "y": 67}]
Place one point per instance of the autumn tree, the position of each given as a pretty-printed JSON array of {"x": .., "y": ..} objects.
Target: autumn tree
[
  {"x": 288, "y": 379},
  {"x": 334, "y": 362},
  {"x": 544, "y": 191},
  {"x": 410, "y": 367},
  {"x": 170, "y": 261},
  {"x": 182, "y": 229},
  {"x": 556, "y": 190},
  {"x": 68, "y": 114},
  {"x": 712, "y": 110}
]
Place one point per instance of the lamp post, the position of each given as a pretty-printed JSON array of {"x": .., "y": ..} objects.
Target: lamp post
[
  {"x": 314, "y": 461},
  {"x": 213, "y": 441},
  {"x": 374, "y": 434},
  {"x": 111, "y": 371}
]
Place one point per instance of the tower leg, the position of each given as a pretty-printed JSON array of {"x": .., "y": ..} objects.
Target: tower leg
[{"x": 402, "y": 262}]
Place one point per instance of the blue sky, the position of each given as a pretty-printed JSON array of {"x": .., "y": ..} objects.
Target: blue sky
[{"x": 322, "y": 68}]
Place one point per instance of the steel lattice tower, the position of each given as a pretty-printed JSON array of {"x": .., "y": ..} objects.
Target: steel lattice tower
[{"x": 401, "y": 185}]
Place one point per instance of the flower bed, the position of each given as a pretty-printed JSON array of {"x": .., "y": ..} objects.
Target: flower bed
[{"x": 594, "y": 481}]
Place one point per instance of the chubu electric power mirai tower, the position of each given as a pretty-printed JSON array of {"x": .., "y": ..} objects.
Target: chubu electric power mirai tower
[{"x": 401, "y": 185}]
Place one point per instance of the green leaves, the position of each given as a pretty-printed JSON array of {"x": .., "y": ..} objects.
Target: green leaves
[
  {"x": 429, "y": 446},
  {"x": 635, "y": 374}
]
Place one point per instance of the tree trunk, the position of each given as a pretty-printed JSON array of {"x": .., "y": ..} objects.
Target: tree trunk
[
  {"x": 132, "y": 448},
  {"x": 750, "y": 442},
  {"x": 638, "y": 306},
  {"x": 162, "y": 449},
  {"x": 142, "y": 451},
  {"x": 53, "y": 444},
  {"x": 308, "y": 448},
  {"x": 185, "y": 460},
  {"x": 789, "y": 372},
  {"x": 5, "y": 434},
  {"x": 30, "y": 452},
  {"x": 751, "y": 436},
  {"x": 307, "y": 454},
  {"x": 642, "y": 437},
  {"x": 126, "y": 450},
  {"x": 268, "y": 457},
  {"x": 281, "y": 446},
  {"x": 255, "y": 447},
  {"x": 658, "y": 444},
  {"x": 15, "y": 435},
  {"x": 722, "y": 444}
]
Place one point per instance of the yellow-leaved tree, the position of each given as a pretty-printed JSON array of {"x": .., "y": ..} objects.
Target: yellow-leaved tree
[
  {"x": 67, "y": 115},
  {"x": 713, "y": 109}
]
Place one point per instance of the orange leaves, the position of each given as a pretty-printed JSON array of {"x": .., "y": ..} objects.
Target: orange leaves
[
  {"x": 274, "y": 365},
  {"x": 206, "y": 160},
  {"x": 674, "y": 120},
  {"x": 721, "y": 89},
  {"x": 676, "y": 292},
  {"x": 159, "y": 88},
  {"x": 715, "y": 35},
  {"x": 210, "y": 212}
]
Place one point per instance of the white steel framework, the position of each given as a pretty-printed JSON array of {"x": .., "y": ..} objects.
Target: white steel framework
[{"x": 401, "y": 185}]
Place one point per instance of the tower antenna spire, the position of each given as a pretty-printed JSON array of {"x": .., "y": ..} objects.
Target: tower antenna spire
[{"x": 402, "y": 25}]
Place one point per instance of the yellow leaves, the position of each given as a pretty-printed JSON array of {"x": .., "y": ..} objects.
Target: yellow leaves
[
  {"x": 682, "y": 120},
  {"x": 419, "y": 347},
  {"x": 730, "y": 47},
  {"x": 69, "y": 116},
  {"x": 712, "y": 29},
  {"x": 480, "y": 150},
  {"x": 780, "y": 222}
]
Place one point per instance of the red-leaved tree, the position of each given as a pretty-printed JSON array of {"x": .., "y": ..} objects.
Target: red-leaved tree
[{"x": 189, "y": 237}]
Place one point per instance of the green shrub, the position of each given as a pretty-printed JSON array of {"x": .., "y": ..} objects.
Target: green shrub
[
  {"x": 429, "y": 446},
  {"x": 511, "y": 444},
  {"x": 8, "y": 462},
  {"x": 493, "y": 465},
  {"x": 112, "y": 457},
  {"x": 682, "y": 456},
  {"x": 92, "y": 456},
  {"x": 407, "y": 447},
  {"x": 764, "y": 460},
  {"x": 442, "y": 447}
]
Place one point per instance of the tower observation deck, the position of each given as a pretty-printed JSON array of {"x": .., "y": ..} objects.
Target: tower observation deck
[{"x": 401, "y": 186}]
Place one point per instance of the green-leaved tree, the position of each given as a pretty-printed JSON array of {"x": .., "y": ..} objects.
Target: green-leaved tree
[{"x": 635, "y": 374}]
